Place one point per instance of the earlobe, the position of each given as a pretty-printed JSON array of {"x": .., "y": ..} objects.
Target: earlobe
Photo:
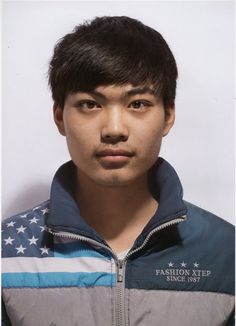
[
  {"x": 169, "y": 119},
  {"x": 58, "y": 118}
]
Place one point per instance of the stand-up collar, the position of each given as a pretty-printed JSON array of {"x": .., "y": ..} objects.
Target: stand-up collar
[
  {"x": 65, "y": 214},
  {"x": 166, "y": 187}
]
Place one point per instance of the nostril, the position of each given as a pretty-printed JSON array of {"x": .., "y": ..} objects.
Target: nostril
[
  {"x": 124, "y": 138},
  {"x": 112, "y": 139}
]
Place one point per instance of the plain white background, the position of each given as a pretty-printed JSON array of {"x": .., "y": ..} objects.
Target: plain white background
[{"x": 201, "y": 144}]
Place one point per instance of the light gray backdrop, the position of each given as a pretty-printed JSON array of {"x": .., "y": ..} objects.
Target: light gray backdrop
[{"x": 200, "y": 146}]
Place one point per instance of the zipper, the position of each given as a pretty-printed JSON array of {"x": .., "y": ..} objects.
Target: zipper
[
  {"x": 65, "y": 234},
  {"x": 120, "y": 272},
  {"x": 74, "y": 236},
  {"x": 157, "y": 229},
  {"x": 119, "y": 303},
  {"x": 120, "y": 317}
]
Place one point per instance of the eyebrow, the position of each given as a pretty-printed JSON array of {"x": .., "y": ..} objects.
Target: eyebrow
[
  {"x": 131, "y": 92},
  {"x": 143, "y": 90}
]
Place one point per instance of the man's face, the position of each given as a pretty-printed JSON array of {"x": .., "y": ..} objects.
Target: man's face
[{"x": 114, "y": 133}]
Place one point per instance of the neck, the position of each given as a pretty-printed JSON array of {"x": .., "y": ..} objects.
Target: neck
[{"x": 118, "y": 214}]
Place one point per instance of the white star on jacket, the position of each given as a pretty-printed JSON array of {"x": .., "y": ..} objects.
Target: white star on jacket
[
  {"x": 44, "y": 250},
  {"x": 35, "y": 208},
  {"x": 43, "y": 228},
  {"x": 21, "y": 229},
  {"x": 34, "y": 220},
  {"x": 10, "y": 224},
  {"x": 20, "y": 249},
  {"x": 44, "y": 211},
  {"x": 195, "y": 264},
  {"x": 9, "y": 241},
  {"x": 33, "y": 240},
  {"x": 23, "y": 215}
]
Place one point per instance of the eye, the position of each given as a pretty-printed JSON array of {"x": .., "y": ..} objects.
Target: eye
[
  {"x": 138, "y": 104},
  {"x": 88, "y": 104}
]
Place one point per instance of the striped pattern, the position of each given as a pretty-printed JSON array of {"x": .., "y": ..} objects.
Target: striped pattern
[
  {"x": 82, "y": 269},
  {"x": 48, "y": 265},
  {"x": 50, "y": 272},
  {"x": 57, "y": 279}
]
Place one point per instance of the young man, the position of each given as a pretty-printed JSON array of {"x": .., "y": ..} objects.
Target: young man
[{"x": 116, "y": 244}]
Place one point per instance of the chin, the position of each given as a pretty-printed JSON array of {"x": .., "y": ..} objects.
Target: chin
[{"x": 115, "y": 180}]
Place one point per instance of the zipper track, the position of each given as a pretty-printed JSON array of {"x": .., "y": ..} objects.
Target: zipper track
[
  {"x": 157, "y": 229},
  {"x": 74, "y": 236},
  {"x": 119, "y": 307},
  {"x": 119, "y": 316}
]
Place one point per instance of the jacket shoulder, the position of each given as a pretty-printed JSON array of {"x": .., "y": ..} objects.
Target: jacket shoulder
[
  {"x": 205, "y": 217},
  {"x": 210, "y": 228},
  {"x": 211, "y": 241}
]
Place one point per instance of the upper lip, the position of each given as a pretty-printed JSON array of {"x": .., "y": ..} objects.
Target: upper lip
[{"x": 114, "y": 152}]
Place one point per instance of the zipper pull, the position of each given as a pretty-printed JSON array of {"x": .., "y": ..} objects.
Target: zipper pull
[{"x": 120, "y": 271}]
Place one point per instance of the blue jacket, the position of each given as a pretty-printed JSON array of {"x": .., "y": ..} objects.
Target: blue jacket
[{"x": 58, "y": 271}]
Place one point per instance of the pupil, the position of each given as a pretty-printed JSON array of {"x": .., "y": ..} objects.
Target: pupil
[{"x": 90, "y": 105}]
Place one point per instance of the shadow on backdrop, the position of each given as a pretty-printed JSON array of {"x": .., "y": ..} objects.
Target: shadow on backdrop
[{"x": 27, "y": 199}]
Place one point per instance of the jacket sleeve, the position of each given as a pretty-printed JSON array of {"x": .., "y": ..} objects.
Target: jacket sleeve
[{"x": 5, "y": 318}]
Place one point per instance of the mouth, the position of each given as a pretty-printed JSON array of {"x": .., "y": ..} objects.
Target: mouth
[
  {"x": 114, "y": 152},
  {"x": 114, "y": 157}
]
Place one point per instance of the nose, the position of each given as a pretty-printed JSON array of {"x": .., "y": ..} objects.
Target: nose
[{"x": 114, "y": 129}]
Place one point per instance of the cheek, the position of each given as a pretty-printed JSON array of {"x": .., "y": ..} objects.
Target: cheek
[
  {"x": 150, "y": 137},
  {"x": 79, "y": 141},
  {"x": 152, "y": 146}
]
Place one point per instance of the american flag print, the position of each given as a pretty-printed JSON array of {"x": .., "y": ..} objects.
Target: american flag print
[
  {"x": 23, "y": 235},
  {"x": 32, "y": 257}
]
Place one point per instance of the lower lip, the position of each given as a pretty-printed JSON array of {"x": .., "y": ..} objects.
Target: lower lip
[{"x": 114, "y": 159}]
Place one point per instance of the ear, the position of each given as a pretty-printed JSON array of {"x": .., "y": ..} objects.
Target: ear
[
  {"x": 169, "y": 119},
  {"x": 58, "y": 118}
]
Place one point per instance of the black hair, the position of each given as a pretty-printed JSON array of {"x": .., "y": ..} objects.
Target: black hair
[{"x": 112, "y": 50}]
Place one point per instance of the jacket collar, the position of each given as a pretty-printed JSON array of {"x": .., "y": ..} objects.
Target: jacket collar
[{"x": 65, "y": 214}]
